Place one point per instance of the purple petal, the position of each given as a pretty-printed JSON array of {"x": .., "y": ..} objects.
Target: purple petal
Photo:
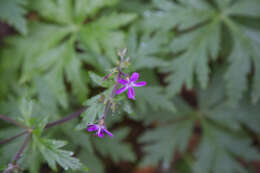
[
  {"x": 134, "y": 77},
  {"x": 139, "y": 84},
  {"x": 131, "y": 93},
  {"x": 109, "y": 133},
  {"x": 122, "y": 81},
  {"x": 100, "y": 133},
  {"x": 92, "y": 127},
  {"x": 120, "y": 90}
]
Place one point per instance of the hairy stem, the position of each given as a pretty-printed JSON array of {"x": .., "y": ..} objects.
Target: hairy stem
[
  {"x": 65, "y": 119},
  {"x": 12, "y": 121},
  {"x": 113, "y": 93},
  {"x": 13, "y": 165},
  {"x": 20, "y": 151},
  {"x": 13, "y": 137}
]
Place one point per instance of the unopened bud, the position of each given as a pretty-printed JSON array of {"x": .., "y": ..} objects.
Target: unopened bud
[
  {"x": 107, "y": 76},
  {"x": 122, "y": 53}
]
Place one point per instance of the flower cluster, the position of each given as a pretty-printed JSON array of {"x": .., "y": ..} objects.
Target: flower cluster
[{"x": 128, "y": 83}]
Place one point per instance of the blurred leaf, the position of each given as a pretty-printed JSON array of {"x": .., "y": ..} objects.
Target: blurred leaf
[
  {"x": 245, "y": 50},
  {"x": 163, "y": 141},
  {"x": 115, "y": 148},
  {"x": 99, "y": 81},
  {"x": 213, "y": 105},
  {"x": 94, "y": 164},
  {"x": 154, "y": 98},
  {"x": 12, "y": 12},
  {"x": 54, "y": 10},
  {"x": 103, "y": 34},
  {"x": 85, "y": 8},
  {"x": 169, "y": 14},
  {"x": 216, "y": 151},
  {"x": 245, "y": 8},
  {"x": 144, "y": 51},
  {"x": 197, "y": 45}
]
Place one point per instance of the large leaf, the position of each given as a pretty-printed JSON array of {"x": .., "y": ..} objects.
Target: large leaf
[
  {"x": 165, "y": 140},
  {"x": 143, "y": 48},
  {"x": 115, "y": 148},
  {"x": 103, "y": 34},
  {"x": 198, "y": 45},
  {"x": 217, "y": 150}
]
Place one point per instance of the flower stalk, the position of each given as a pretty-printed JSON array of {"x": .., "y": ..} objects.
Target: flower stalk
[
  {"x": 13, "y": 137},
  {"x": 12, "y": 121},
  {"x": 128, "y": 84}
]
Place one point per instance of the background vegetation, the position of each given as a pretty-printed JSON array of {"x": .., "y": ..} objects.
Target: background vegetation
[{"x": 199, "y": 112}]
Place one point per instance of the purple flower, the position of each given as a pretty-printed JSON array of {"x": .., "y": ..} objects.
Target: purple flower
[
  {"x": 100, "y": 130},
  {"x": 130, "y": 84}
]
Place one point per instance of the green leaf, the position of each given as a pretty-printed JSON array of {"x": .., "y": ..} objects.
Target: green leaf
[
  {"x": 246, "y": 41},
  {"x": 26, "y": 108},
  {"x": 95, "y": 109},
  {"x": 32, "y": 159},
  {"x": 143, "y": 50},
  {"x": 217, "y": 148},
  {"x": 115, "y": 148},
  {"x": 245, "y": 8},
  {"x": 103, "y": 34},
  {"x": 164, "y": 115},
  {"x": 171, "y": 14},
  {"x": 50, "y": 149},
  {"x": 7, "y": 151},
  {"x": 99, "y": 81},
  {"x": 197, "y": 47},
  {"x": 75, "y": 73},
  {"x": 164, "y": 140},
  {"x": 54, "y": 10},
  {"x": 213, "y": 105},
  {"x": 85, "y": 140},
  {"x": 12, "y": 12},
  {"x": 94, "y": 164},
  {"x": 153, "y": 98},
  {"x": 85, "y": 8},
  {"x": 51, "y": 60}
]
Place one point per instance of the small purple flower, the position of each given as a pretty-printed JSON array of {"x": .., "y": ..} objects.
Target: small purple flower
[
  {"x": 100, "y": 130},
  {"x": 130, "y": 84}
]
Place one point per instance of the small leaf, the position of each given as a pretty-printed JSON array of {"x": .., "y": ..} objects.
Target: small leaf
[{"x": 50, "y": 149}]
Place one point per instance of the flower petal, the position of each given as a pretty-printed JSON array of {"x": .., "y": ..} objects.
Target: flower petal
[
  {"x": 122, "y": 81},
  {"x": 134, "y": 77},
  {"x": 131, "y": 93},
  {"x": 92, "y": 127},
  {"x": 120, "y": 90},
  {"x": 108, "y": 132},
  {"x": 139, "y": 84},
  {"x": 100, "y": 133}
]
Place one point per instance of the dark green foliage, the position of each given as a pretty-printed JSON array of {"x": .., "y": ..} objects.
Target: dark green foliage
[
  {"x": 201, "y": 62},
  {"x": 115, "y": 149},
  {"x": 202, "y": 44}
]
